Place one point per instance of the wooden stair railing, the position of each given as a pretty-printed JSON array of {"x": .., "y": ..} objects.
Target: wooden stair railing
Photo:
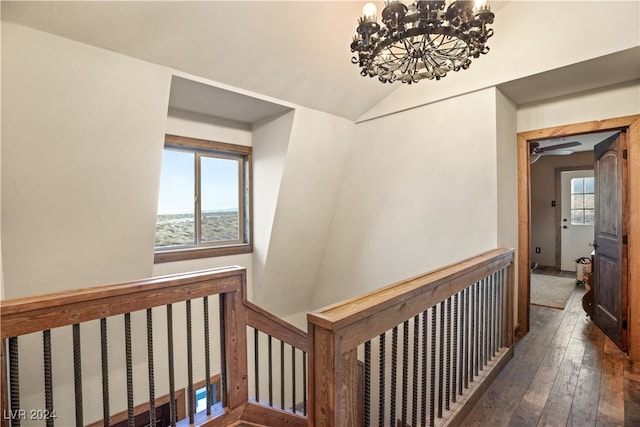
[
  {"x": 196, "y": 326},
  {"x": 440, "y": 339},
  {"x": 456, "y": 325},
  {"x": 286, "y": 388}
]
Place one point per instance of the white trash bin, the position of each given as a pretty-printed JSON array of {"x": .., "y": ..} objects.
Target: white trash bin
[{"x": 583, "y": 269}]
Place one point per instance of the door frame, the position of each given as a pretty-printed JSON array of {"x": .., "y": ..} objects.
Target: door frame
[{"x": 632, "y": 125}]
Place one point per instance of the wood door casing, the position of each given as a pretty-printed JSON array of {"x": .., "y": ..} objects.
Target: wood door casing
[
  {"x": 611, "y": 228},
  {"x": 632, "y": 125}
]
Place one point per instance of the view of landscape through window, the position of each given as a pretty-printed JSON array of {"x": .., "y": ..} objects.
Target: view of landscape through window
[
  {"x": 219, "y": 199},
  {"x": 582, "y": 201}
]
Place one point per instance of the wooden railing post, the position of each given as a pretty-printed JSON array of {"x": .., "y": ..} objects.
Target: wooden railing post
[
  {"x": 235, "y": 316},
  {"x": 333, "y": 380}
]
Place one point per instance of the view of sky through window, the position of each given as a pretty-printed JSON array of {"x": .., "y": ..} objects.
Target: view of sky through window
[
  {"x": 219, "y": 184},
  {"x": 219, "y": 181},
  {"x": 176, "y": 187}
]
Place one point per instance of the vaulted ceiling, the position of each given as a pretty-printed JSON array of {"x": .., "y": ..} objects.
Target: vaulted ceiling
[
  {"x": 291, "y": 51},
  {"x": 296, "y": 51}
]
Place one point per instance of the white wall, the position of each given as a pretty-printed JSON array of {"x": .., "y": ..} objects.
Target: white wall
[
  {"x": 506, "y": 113},
  {"x": 311, "y": 179},
  {"x": 82, "y": 128},
  {"x": 420, "y": 192},
  {"x": 531, "y": 37},
  {"x": 615, "y": 101},
  {"x": 506, "y": 146},
  {"x": 194, "y": 125},
  {"x": 270, "y": 144},
  {"x": 2, "y": 293}
]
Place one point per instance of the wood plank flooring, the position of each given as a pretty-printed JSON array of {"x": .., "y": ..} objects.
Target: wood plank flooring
[{"x": 565, "y": 372}]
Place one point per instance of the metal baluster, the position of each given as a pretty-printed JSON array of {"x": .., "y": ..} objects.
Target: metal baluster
[
  {"x": 172, "y": 381},
  {"x": 498, "y": 313},
  {"x": 293, "y": 378},
  {"x": 48, "y": 376},
  {"x": 481, "y": 317},
  {"x": 416, "y": 350},
  {"x": 367, "y": 384},
  {"x": 432, "y": 381},
  {"x": 478, "y": 343},
  {"x": 454, "y": 361},
  {"x": 423, "y": 388},
  {"x": 256, "y": 361},
  {"x": 492, "y": 314},
  {"x": 304, "y": 383},
  {"x": 270, "y": 372},
  {"x": 105, "y": 372},
  {"x": 207, "y": 354},
  {"x": 394, "y": 369},
  {"x": 282, "y": 374},
  {"x": 492, "y": 310},
  {"x": 382, "y": 374},
  {"x": 152, "y": 388},
  {"x": 441, "y": 360},
  {"x": 472, "y": 337},
  {"x": 223, "y": 351},
  {"x": 498, "y": 303},
  {"x": 447, "y": 370},
  {"x": 77, "y": 375},
  {"x": 405, "y": 370},
  {"x": 129, "y": 364},
  {"x": 465, "y": 332},
  {"x": 14, "y": 379},
  {"x": 487, "y": 322},
  {"x": 191, "y": 393},
  {"x": 501, "y": 306}
]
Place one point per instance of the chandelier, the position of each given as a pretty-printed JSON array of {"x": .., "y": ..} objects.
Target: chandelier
[{"x": 424, "y": 40}]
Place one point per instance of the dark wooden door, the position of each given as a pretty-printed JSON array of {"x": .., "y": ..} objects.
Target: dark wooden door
[{"x": 610, "y": 260}]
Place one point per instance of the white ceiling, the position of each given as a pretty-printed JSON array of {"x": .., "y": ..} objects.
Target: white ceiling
[
  {"x": 294, "y": 52},
  {"x": 587, "y": 141},
  {"x": 607, "y": 70},
  {"x": 189, "y": 95}
]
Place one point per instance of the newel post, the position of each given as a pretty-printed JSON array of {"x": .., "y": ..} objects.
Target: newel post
[
  {"x": 235, "y": 351},
  {"x": 333, "y": 378}
]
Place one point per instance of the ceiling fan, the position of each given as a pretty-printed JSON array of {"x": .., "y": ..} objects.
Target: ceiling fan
[{"x": 560, "y": 149}]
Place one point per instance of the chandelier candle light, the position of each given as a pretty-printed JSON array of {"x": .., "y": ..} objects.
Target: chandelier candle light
[{"x": 424, "y": 40}]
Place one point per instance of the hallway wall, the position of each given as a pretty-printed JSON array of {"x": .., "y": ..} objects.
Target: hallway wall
[{"x": 420, "y": 192}]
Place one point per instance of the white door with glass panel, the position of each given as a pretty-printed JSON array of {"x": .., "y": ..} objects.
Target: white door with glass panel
[{"x": 578, "y": 217}]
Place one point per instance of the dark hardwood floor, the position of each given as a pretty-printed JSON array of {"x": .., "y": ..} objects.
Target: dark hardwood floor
[{"x": 565, "y": 372}]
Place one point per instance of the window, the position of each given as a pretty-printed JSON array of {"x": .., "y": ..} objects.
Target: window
[
  {"x": 582, "y": 201},
  {"x": 204, "y": 201}
]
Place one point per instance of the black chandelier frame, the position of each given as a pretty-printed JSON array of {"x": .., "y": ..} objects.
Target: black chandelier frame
[{"x": 425, "y": 40}]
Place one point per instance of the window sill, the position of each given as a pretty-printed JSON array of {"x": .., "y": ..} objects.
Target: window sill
[{"x": 197, "y": 253}]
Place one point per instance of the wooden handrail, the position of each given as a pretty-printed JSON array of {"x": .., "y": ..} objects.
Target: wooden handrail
[
  {"x": 336, "y": 331},
  {"x": 41, "y": 312},
  {"x": 31, "y": 314},
  {"x": 429, "y": 288},
  {"x": 270, "y": 324}
]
